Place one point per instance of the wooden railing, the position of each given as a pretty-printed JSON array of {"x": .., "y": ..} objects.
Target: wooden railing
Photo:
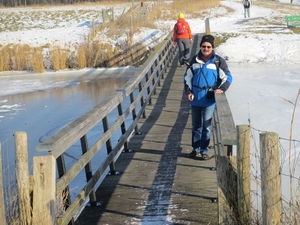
[
  {"x": 137, "y": 91},
  {"x": 224, "y": 139},
  {"x": 224, "y": 131}
]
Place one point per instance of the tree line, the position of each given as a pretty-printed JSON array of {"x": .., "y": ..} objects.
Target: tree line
[{"x": 14, "y": 3}]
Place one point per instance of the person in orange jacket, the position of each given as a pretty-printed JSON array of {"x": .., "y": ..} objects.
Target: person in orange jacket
[{"x": 182, "y": 36}]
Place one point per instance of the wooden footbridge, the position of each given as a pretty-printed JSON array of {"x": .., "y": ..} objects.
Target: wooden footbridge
[
  {"x": 151, "y": 180},
  {"x": 157, "y": 183}
]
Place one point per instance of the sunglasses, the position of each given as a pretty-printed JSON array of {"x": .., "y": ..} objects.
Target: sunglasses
[{"x": 204, "y": 46}]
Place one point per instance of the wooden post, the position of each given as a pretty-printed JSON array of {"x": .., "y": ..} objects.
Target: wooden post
[
  {"x": 148, "y": 88},
  {"x": 136, "y": 128},
  {"x": 207, "y": 27},
  {"x": 22, "y": 173},
  {"x": 123, "y": 128},
  {"x": 142, "y": 99},
  {"x": 93, "y": 29},
  {"x": 227, "y": 189},
  {"x": 103, "y": 16},
  {"x": 243, "y": 172},
  {"x": 2, "y": 205},
  {"x": 108, "y": 145},
  {"x": 270, "y": 178},
  {"x": 112, "y": 14},
  {"x": 88, "y": 169},
  {"x": 44, "y": 190}
]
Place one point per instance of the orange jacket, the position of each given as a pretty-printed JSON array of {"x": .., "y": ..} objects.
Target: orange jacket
[{"x": 186, "y": 35}]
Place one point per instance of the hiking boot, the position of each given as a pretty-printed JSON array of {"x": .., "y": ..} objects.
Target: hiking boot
[
  {"x": 205, "y": 156},
  {"x": 192, "y": 154},
  {"x": 186, "y": 63}
]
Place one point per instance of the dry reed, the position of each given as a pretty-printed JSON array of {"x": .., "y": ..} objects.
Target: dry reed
[{"x": 97, "y": 53}]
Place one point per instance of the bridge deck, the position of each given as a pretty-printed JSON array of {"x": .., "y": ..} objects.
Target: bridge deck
[{"x": 158, "y": 184}]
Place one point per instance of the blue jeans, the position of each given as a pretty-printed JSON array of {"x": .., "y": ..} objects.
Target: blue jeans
[{"x": 201, "y": 127}]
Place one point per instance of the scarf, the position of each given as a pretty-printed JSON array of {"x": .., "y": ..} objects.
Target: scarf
[{"x": 204, "y": 58}]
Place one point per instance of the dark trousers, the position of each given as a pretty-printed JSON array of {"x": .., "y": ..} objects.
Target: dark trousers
[{"x": 184, "y": 46}]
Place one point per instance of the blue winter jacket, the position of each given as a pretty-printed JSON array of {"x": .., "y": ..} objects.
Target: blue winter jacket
[{"x": 201, "y": 77}]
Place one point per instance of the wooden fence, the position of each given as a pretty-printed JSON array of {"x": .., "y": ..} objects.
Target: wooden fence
[
  {"x": 233, "y": 171},
  {"x": 108, "y": 15}
]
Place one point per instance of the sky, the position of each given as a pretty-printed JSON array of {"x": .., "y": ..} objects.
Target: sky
[{"x": 263, "y": 58}]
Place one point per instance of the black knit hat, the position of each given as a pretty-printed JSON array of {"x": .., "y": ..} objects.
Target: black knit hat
[{"x": 208, "y": 38}]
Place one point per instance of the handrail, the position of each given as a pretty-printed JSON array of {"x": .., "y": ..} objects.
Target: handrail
[
  {"x": 224, "y": 131},
  {"x": 142, "y": 85},
  {"x": 224, "y": 138}
]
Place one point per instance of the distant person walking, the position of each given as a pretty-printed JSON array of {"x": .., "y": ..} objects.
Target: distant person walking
[
  {"x": 207, "y": 75},
  {"x": 247, "y": 5},
  {"x": 182, "y": 36}
]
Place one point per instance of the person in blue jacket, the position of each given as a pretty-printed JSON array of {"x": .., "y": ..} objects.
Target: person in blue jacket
[{"x": 207, "y": 75}]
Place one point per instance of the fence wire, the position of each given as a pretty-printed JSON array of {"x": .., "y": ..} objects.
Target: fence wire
[
  {"x": 290, "y": 179},
  {"x": 10, "y": 193}
]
